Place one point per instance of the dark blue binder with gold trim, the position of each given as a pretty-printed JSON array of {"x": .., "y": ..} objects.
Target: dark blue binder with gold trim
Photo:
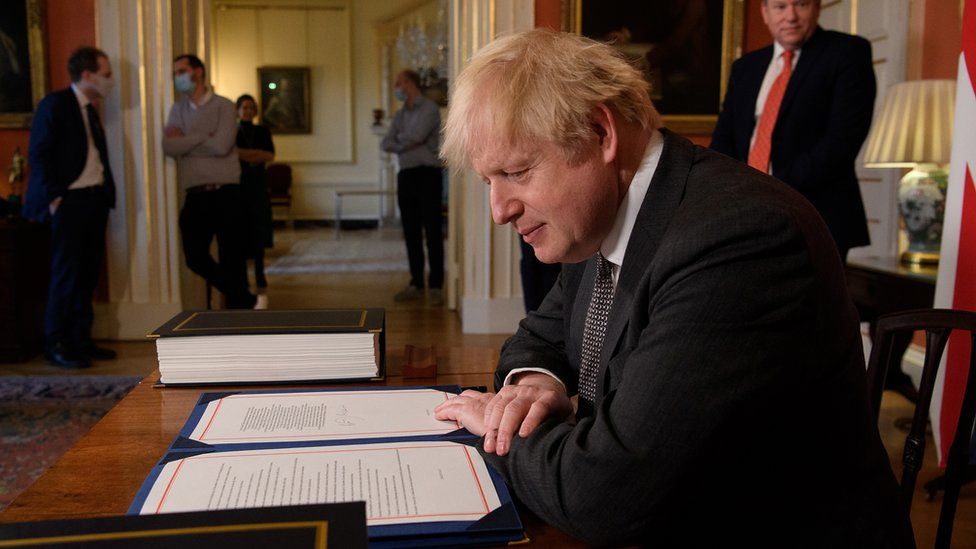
[{"x": 394, "y": 520}]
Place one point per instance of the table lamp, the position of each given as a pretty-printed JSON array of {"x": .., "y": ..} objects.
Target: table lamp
[{"x": 914, "y": 130}]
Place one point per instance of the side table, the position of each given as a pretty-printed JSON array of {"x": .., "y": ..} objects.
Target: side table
[
  {"x": 24, "y": 274},
  {"x": 882, "y": 285}
]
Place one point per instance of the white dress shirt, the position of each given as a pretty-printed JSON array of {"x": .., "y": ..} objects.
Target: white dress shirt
[
  {"x": 775, "y": 67},
  {"x": 614, "y": 246},
  {"x": 93, "y": 173}
]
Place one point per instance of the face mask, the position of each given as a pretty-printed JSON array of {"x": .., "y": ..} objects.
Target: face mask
[
  {"x": 102, "y": 84},
  {"x": 399, "y": 94},
  {"x": 184, "y": 82}
]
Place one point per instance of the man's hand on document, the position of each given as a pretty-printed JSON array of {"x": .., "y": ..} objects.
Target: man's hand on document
[
  {"x": 468, "y": 409},
  {"x": 520, "y": 407}
]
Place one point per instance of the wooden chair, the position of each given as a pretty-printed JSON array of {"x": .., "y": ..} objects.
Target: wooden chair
[
  {"x": 938, "y": 324},
  {"x": 279, "y": 188}
]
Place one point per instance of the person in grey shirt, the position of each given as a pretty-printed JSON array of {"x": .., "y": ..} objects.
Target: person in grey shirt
[
  {"x": 201, "y": 133},
  {"x": 414, "y": 137}
]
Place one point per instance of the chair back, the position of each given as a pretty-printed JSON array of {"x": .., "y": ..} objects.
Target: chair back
[
  {"x": 938, "y": 324},
  {"x": 279, "y": 183}
]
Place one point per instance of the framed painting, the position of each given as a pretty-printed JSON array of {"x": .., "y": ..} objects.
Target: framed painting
[
  {"x": 285, "y": 101},
  {"x": 685, "y": 49},
  {"x": 23, "y": 80}
]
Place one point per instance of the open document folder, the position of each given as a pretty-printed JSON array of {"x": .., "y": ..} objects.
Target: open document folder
[{"x": 422, "y": 482}]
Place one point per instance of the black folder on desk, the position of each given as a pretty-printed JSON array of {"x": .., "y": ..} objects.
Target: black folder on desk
[
  {"x": 307, "y": 526},
  {"x": 200, "y": 440}
]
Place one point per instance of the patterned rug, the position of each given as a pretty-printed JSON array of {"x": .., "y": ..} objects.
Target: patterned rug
[
  {"x": 317, "y": 256},
  {"x": 41, "y": 417}
]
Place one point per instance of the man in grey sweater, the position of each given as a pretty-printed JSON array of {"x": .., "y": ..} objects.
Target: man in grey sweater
[
  {"x": 414, "y": 137},
  {"x": 201, "y": 133}
]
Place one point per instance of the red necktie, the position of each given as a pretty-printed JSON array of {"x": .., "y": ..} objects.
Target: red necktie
[{"x": 759, "y": 155}]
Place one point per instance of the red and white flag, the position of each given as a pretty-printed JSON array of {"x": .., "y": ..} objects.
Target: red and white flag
[{"x": 956, "y": 285}]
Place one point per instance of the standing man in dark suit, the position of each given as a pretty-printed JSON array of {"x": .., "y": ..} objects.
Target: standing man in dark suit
[
  {"x": 701, "y": 323},
  {"x": 71, "y": 185},
  {"x": 800, "y": 110}
]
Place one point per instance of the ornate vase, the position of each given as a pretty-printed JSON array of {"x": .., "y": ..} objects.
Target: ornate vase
[{"x": 921, "y": 203}]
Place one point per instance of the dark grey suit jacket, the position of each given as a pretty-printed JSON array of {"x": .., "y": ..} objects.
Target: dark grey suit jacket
[{"x": 731, "y": 403}]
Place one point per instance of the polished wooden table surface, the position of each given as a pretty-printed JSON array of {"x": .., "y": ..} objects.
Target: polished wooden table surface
[
  {"x": 100, "y": 475},
  {"x": 882, "y": 285}
]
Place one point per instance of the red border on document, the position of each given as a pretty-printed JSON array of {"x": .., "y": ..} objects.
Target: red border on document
[{"x": 463, "y": 448}]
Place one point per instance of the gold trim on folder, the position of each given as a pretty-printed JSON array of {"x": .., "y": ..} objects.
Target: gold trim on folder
[
  {"x": 180, "y": 327},
  {"x": 321, "y": 533}
]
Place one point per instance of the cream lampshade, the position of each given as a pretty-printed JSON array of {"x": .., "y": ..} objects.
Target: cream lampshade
[{"x": 914, "y": 130}]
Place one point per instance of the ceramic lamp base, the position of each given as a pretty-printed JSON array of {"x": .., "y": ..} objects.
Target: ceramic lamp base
[
  {"x": 921, "y": 203},
  {"x": 919, "y": 258}
]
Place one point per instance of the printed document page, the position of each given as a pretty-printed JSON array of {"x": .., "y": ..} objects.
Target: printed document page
[
  {"x": 400, "y": 482},
  {"x": 325, "y": 415}
]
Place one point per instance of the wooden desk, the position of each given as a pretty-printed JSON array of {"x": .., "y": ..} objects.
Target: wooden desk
[
  {"x": 100, "y": 475},
  {"x": 882, "y": 285}
]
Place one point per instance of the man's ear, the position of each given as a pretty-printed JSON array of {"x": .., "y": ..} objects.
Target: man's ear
[{"x": 605, "y": 126}]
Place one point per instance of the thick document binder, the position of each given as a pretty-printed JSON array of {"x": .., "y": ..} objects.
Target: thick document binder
[
  {"x": 247, "y": 322},
  {"x": 323, "y": 526},
  {"x": 200, "y": 348},
  {"x": 423, "y": 482}
]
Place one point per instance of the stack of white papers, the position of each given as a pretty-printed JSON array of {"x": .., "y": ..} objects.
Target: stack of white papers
[{"x": 267, "y": 358}]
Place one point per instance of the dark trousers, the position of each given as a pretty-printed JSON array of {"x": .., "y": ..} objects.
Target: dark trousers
[
  {"x": 218, "y": 213},
  {"x": 259, "y": 279},
  {"x": 537, "y": 277},
  {"x": 77, "y": 247},
  {"x": 419, "y": 196}
]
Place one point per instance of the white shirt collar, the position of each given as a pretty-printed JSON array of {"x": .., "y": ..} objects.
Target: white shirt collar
[
  {"x": 82, "y": 98},
  {"x": 615, "y": 244},
  {"x": 203, "y": 99},
  {"x": 778, "y": 51}
]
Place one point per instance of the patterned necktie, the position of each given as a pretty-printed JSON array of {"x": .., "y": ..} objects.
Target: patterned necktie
[
  {"x": 594, "y": 331},
  {"x": 759, "y": 155}
]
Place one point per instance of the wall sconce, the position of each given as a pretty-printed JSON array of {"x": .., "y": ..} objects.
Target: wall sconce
[{"x": 914, "y": 131}]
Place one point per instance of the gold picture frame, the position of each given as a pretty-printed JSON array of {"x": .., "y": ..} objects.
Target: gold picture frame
[
  {"x": 697, "y": 121},
  {"x": 22, "y": 88},
  {"x": 285, "y": 95}
]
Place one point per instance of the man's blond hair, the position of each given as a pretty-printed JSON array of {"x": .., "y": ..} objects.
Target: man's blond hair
[{"x": 541, "y": 85}]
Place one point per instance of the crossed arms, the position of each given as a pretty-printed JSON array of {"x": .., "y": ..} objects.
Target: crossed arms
[
  {"x": 219, "y": 141},
  {"x": 403, "y": 137}
]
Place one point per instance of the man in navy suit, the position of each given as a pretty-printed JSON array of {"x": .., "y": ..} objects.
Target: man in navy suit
[
  {"x": 700, "y": 323},
  {"x": 804, "y": 121},
  {"x": 71, "y": 186}
]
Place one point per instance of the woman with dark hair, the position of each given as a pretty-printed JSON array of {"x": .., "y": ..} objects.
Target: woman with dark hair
[{"x": 255, "y": 149}]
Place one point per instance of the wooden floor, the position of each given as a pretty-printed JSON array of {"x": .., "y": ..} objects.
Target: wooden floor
[{"x": 419, "y": 324}]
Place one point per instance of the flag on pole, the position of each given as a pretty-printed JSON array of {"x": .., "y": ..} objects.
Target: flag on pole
[{"x": 956, "y": 284}]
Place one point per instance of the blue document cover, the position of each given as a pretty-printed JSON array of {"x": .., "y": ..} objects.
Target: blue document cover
[{"x": 379, "y": 445}]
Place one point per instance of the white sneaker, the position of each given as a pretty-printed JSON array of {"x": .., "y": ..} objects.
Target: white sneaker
[{"x": 261, "y": 303}]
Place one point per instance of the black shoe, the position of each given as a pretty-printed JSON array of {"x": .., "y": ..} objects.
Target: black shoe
[
  {"x": 58, "y": 355},
  {"x": 100, "y": 353}
]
